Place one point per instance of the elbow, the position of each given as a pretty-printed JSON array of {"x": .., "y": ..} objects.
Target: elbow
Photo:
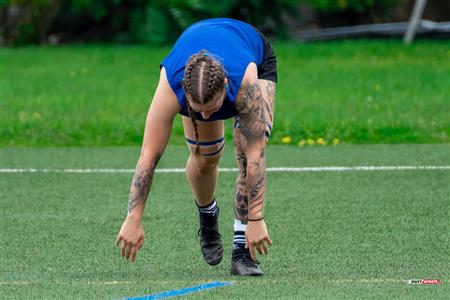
[
  {"x": 149, "y": 158},
  {"x": 253, "y": 169}
]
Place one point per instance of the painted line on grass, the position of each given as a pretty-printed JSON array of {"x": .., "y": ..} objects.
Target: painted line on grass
[
  {"x": 227, "y": 170},
  {"x": 271, "y": 281},
  {"x": 183, "y": 291}
]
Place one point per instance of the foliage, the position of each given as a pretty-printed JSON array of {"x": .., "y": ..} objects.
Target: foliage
[
  {"x": 128, "y": 21},
  {"x": 162, "y": 21},
  {"x": 355, "y": 5},
  {"x": 151, "y": 22}
]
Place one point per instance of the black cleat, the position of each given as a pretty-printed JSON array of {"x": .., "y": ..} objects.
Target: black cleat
[
  {"x": 243, "y": 264},
  {"x": 210, "y": 242}
]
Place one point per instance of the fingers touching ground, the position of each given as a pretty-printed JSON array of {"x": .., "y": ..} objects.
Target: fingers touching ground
[
  {"x": 262, "y": 247},
  {"x": 128, "y": 249}
]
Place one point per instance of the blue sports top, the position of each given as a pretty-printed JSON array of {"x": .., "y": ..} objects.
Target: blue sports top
[{"x": 234, "y": 43}]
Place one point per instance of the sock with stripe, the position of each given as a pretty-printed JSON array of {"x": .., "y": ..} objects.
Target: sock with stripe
[
  {"x": 239, "y": 236},
  {"x": 210, "y": 209}
]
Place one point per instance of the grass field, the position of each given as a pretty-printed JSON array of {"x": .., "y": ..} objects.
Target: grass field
[
  {"x": 356, "y": 91},
  {"x": 340, "y": 235}
]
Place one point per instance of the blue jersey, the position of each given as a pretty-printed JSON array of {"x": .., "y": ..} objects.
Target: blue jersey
[{"x": 234, "y": 43}]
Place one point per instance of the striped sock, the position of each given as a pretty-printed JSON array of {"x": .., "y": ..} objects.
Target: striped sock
[
  {"x": 210, "y": 209},
  {"x": 239, "y": 235}
]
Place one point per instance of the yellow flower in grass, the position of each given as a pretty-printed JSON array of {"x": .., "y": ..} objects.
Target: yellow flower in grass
[
  {"x": 37, "y": 115},
  {"x": 301, "y": 143},
  {"x": 377, "y": 87},
  {"x": 22, "y": 116},
  {"x": 286, "y": 139},
  {"x": 321, "y": 141},
  {"x": 335, "y": 141},
  {"x": 310, "y": 142}
]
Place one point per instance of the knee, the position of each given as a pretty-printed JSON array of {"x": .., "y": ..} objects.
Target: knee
[
  {"x": 205, "y": 164},
  {"x": 206, "y": 155}
]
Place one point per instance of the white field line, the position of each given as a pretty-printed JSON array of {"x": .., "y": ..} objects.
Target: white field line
[{"x": 225, "y": 170}]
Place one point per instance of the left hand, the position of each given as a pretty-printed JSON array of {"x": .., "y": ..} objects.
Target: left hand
[
  {"x": 131, "y": 236},
  {"x": 257, "y": 237}
]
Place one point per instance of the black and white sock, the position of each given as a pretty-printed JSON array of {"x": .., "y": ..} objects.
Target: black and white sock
[
  {"x": 210, "y": 209},
  {"x": 239, "y": 235}
]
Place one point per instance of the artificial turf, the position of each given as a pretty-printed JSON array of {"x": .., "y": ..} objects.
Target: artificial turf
[{"x": 339, "y": 235}]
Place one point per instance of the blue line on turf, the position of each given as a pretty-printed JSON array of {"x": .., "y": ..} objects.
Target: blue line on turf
[{"x": 183, "y": 291}]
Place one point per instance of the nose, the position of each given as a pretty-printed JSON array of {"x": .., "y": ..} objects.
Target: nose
[{"x": 205, "y": 115}]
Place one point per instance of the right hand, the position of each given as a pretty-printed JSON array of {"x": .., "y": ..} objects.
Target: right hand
[{"x": 132, "y": 237}]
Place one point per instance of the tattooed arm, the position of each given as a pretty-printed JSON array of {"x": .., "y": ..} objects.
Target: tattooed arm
[
  {"x": 255, "y": 104},
  {"x": 255, "y": 107},
  {"x": 158, "y": 126}
]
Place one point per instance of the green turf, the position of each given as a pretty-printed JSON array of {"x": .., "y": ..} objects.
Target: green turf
[
  {"x": 336, "y": 235},
  {"x": 357, "y": 91}
]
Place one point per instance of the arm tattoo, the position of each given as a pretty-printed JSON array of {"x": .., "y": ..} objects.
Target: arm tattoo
[
  {"x": 250, "y": 190},
  {"x": 252, "y": 117},
  {"x": 256, "y": 186},
  {"x": 240, "y": 197},
  {"x": 255, "y": 113},
  {"x": 142, "y": 181}
]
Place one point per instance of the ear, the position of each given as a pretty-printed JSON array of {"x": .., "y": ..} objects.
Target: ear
[{"x": 225, "y": 80}]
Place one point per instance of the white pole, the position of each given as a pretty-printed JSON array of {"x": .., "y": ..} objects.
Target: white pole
[{"x": 416, "y": 16}]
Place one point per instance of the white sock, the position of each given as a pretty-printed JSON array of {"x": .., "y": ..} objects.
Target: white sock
[{"x": 239, "y": 234}]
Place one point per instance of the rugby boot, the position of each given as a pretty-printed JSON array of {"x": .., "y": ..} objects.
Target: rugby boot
[
  {"x": 243, "y": 264},
  {"x": 210, "y": 242}
]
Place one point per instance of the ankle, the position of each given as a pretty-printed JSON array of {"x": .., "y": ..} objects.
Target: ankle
[{"x": 210, "y": 209}]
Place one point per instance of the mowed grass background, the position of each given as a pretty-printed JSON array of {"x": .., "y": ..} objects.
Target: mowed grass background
[
  {"x": 336, "y": 235},
  {"x": 357, "y": 91}
]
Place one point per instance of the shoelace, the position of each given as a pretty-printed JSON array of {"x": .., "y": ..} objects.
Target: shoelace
[
  {"x": 208, "y": 233},
  {"x": 248, "y": 261}
]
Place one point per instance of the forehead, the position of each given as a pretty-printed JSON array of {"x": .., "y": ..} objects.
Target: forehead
[{"x": 213, "y": 104}]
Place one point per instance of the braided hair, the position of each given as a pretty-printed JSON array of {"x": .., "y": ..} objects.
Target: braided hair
[{"x": 203, "y": 79}]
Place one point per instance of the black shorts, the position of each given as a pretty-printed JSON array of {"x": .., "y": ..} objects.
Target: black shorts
[{"x": 268, "y": 69}]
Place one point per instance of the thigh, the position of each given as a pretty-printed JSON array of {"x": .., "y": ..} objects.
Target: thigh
[{"x": 210, "y": 136}]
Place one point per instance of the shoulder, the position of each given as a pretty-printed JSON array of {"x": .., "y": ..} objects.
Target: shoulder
[
  {"x": 250, "y": 75},
  {"x": 249, "y": 87},
  {"x": 165, "y": 101},
  {"x": 163, "y": 80}
]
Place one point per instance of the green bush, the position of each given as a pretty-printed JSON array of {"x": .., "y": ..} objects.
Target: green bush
[
  {"x": 152, "y": 22},
  {"x": 162, "y": 21},
  {"x": 353, "y": 5},
  {"x": 128, "y": 21}
]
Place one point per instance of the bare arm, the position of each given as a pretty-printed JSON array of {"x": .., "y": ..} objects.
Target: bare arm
[
  {"x": 255, "y": 106},
  {"x": 158, "y": 126}
]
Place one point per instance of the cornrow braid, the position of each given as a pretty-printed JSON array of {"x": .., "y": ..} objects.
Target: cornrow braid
[
  {"x": 203, "y": 79},
  {"x": 194, "y": 123}
]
